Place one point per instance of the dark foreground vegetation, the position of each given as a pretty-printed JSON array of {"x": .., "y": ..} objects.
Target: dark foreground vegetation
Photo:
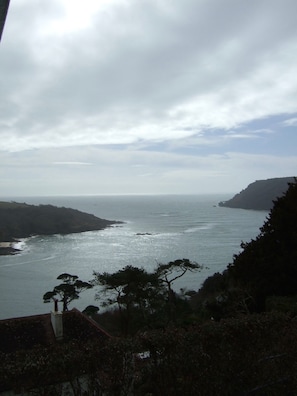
[
  {"x": 20, "y": 220},
  {"x": 248, "y": 355},
  {"x": 237, "y": 335}
]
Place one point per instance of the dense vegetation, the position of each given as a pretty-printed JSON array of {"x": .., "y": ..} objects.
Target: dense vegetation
[
  {"x": 251, "y": 355},
  {"x": 141, "y": 300},
  {"x": 20, "y": 220},
  {"x": 266, "y": 268},
  {"x": 259, "y": 195}
]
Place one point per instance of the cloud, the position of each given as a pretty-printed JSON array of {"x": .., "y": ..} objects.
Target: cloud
[
  {"x": 290, "y": 122},
  {"x": 247, "y": 134},
  {"x": 72, "y": 163},
  {"x": 149, "y": 71},
  {"x": 149, "y": 95},
  {"x": 127, "y": 171}
]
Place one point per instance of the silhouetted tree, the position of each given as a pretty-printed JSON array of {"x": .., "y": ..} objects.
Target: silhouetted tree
[
  {"x": 130, "y": 289},
  {"x": 145, "y": 300},
  {"x": 67, "y": 291},
  {"x": 169, "y": 273},
  {"x": 268, "y": 264}
]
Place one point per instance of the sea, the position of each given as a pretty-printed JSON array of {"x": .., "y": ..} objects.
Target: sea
[{"x": 156, "y": 229}]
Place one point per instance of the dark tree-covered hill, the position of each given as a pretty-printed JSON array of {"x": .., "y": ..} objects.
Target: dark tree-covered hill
[
  {"x": 20, "y": 220},
  {"x": 268, "y": 264},
  {"x": 265, "y": 268},
  {"x": 260, "y": 194}
]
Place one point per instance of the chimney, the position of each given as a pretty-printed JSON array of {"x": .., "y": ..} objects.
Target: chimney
[{"x": 57, "y": 321}]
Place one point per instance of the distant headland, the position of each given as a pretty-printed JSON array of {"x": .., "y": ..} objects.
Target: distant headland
[
  {"x": 260, "y": 194},
  {"x": 20, "y": 220}
]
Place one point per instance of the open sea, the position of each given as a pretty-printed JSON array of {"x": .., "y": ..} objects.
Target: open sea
[{"x": 156, "y": 229}]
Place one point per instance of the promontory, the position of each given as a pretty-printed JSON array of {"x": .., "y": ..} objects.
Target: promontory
[
  {"x": 20, "y": 220},
  {"x": 260, "y": 194}
]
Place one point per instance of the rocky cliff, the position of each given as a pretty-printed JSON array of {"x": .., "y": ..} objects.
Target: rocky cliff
[{"x": 260, "y": 194}]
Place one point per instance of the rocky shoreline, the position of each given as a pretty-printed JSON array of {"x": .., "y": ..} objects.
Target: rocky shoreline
[
  {"x": 20, "y": 220},
  {"x": 8, "y": 248}
]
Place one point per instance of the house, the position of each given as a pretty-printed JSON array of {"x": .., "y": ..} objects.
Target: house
[{"x": 52, "y": 354}]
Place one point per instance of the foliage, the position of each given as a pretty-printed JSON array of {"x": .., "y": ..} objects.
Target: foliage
[
  {"x": 266, "y": 266},
  {"x": 20, "y": 220},
  {"x": 232, "y": 357},
  {"x": 67, "y": 291},
  {"x": 41, "y": 367},
  {"x": 133, "y": 291},
  {"x": 145, "y": 300},
  {"x": 91, "y": 310},
  {"x": 168, "y": 274},
  {"x": 129, "y": 286},
  {"x": 252, "y": 354},
  {"x": 249, "y": 355},
  {"x": 260, "y": 194}
]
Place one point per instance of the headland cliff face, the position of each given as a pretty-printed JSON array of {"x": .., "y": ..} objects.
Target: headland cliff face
[
  {"x": 20, "y": 220},
  {"x": 260, "y": 194}
]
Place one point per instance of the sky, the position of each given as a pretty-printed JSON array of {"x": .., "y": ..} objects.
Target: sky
[{"x": 147, "y": 96}]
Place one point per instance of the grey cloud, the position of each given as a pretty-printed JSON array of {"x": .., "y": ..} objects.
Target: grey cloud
[{"x": 145, "y": 71}]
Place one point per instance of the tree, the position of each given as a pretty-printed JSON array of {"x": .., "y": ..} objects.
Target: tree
[
  {"x": 268, "y": 265},
  {"x": 130, "y": 289},
  {"x": 169, "y": 273},
  {"x": 143, "y": 299},
  {"x": 67, "y": 291},
  {"x": 91, "y": 310}
]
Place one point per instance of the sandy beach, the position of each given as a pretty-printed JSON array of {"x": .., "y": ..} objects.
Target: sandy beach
[{"x": 6, "y": 244}]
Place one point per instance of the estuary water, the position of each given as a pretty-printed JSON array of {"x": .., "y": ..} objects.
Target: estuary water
[{"x": 156, "y": 229}]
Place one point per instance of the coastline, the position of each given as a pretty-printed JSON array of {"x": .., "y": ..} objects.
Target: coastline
[
  {"x": 9, "y": 248},
  {"x": 21, "y": 220}
]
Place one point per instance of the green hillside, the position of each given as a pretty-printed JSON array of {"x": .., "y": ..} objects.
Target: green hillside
[{"x": 20, "y": 220}]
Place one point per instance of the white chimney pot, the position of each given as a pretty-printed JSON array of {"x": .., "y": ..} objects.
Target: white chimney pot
[{"x": 57, "y": 323}]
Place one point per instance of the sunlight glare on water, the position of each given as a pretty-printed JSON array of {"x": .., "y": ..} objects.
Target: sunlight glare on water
[{"x": 157, "y": 229}]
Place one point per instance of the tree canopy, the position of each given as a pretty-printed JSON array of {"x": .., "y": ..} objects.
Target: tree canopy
[
  {"x": 143, "y": 299},
  {"x": 67, "y": 291},
  {"x": 130, "y": 289},
  {"x": 20, "y": 220},
  {"x": 267, "y": 265}
]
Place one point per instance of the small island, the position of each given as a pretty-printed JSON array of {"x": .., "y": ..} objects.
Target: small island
[
  {"x": 20, "y": 220},
  {"x": 259, "y": 195}
]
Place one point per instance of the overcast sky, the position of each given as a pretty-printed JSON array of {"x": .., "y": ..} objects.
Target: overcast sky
[{"x": 147, "y": 96}]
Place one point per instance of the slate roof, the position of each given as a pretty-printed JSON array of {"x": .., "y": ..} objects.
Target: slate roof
[
  {"x": 30, "y": 355},
  {"x": 4, "y": 4}
]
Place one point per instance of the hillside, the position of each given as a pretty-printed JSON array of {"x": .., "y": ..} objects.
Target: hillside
[
  {"x": 20, "y": 220},
  {"x": 260, "y": 194}
]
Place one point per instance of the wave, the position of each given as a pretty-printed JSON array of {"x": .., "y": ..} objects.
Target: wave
[
  {"x": 165, "y": 214},
  {"x": 206, "y": 226},
  {"x": 20, "y": 245},
  {"x": 27, "y": 262}
]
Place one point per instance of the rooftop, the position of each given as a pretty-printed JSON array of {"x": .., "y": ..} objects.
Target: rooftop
[{"x": 31, "y": 356}]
